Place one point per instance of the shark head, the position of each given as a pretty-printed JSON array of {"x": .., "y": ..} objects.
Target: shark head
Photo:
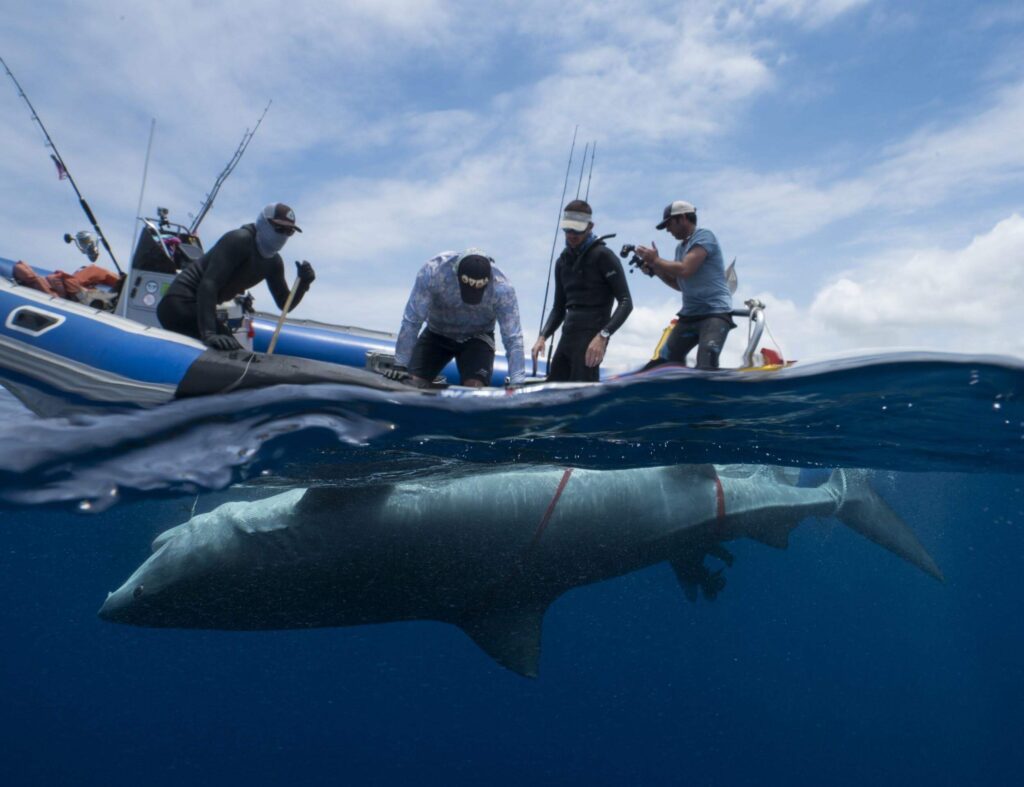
[
  {"x": 200, "y": 573},
  {"x": 142, "y": 599}
]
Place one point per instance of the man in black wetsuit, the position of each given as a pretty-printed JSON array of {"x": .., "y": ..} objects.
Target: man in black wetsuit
[
  {"x": 588, "y": 280},
  {"x": 239, "y": 260}
]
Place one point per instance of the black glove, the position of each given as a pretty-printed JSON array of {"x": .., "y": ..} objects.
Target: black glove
[
  {"x": 305, "y": 272},
  {"x": 396, "y": 373},
  {"x": 220, "y": 341}
]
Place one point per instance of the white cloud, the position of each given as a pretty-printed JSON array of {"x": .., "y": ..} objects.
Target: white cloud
[
  {"x": 810, "y": 13},
  {"x": 962, "y": 300}
]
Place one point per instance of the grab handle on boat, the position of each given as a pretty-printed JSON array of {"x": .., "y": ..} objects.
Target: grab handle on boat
[{"x": 755, "y": 328}]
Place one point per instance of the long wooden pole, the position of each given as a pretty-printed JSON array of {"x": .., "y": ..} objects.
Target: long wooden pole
[{"x": 284, "y": 314}]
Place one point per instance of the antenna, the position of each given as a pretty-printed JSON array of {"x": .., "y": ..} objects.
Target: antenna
[
  {"x": 142, "y": 190},
  {"x": 239, "y": 152},
  {"x": 62, "y": 168}
]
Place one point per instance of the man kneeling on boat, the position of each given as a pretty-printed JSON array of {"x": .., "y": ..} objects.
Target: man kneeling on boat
[
  {"x": 459, "y": 297},
  {"x": 239, "y": 260}
]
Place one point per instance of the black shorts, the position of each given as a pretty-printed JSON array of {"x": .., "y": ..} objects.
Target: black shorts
[{"x": 474, "y": 357}]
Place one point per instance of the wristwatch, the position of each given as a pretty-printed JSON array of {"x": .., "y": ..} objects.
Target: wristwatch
[{"x": 604, "y": 334}]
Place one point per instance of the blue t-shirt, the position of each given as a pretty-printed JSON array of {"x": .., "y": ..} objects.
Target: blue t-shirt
[{"x": 706, "y": 291}]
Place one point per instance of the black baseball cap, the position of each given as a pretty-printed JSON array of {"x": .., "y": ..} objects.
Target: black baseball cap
[
  {"x": 474, "y": 272},
  {"x": 281, "y": 215}
]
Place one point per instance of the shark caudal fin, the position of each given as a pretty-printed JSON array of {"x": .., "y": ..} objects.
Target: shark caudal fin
[
  {"x": 860, "y": 508},
  {"x": 510, "y": 637}
]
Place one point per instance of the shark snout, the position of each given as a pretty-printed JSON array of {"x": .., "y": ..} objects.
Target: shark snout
[
  {"x": 117, "y": 607},
  {"x": 126, "y": 604}
]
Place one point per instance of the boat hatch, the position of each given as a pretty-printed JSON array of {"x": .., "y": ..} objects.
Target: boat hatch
[{"x": 32, "y": 320}]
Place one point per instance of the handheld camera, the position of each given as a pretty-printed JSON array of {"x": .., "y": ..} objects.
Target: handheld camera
[{"x": 634, "y": 261}]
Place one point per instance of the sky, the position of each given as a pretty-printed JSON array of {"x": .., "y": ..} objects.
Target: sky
[{"x": 861, "y": 160}]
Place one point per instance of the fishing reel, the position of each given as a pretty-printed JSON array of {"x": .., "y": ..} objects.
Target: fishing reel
[
  {"x": 634, "y": 261},
  {"x": 85, "y": 243}
]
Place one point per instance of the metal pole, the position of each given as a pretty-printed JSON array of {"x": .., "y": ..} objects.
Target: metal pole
[{"x": 142, "y": 191}]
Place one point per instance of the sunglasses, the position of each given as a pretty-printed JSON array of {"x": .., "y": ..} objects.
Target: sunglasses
[
  {"x": 573, "y": 232},
  {"x": 283, "y": 230}
]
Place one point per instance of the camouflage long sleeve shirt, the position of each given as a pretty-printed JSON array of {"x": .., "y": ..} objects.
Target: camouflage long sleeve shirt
[{"x": 437, "y": 301}]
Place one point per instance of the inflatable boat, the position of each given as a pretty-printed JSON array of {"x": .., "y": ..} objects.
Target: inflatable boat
[{"x": 60, "y": 357}]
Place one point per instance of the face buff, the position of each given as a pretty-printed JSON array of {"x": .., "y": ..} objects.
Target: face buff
[{"x": 268, "y": 240}]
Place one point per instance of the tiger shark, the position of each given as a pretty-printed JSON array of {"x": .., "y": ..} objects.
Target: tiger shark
[{"x": 488, "y": 553}]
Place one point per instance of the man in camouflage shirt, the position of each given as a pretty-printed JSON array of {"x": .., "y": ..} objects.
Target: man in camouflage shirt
[{"x": 460, "y": 297}]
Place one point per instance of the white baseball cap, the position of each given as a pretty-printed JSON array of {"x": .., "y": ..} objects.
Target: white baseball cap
[{"x": 677, "y": 208}]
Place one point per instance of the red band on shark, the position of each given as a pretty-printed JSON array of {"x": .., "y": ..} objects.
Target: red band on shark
[
  {"x": 719, "y": 504},
  {"x": 551, "y": 509}
]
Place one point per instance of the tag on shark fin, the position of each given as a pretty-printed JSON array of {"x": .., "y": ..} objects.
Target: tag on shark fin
[
  {"x": 731, "y": 279},
  {"x": 510, "y": 637}
]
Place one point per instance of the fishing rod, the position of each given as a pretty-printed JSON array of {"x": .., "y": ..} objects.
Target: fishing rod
[
  {"x": 554, "y": 241},
  {"x": 583, "y": 166},
  {"x": 62, "y": 168},
  {"x": 239, "y": 152},
  {"x": 593, "y": 150}
]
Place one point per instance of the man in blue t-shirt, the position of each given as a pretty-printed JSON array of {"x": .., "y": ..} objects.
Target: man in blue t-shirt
[{"x": 698, "y": 272}]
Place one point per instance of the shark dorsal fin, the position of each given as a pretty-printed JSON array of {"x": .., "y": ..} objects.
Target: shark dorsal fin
[
  {"x": 332, "y": 499},
  {"x": 510, "y": 637}
]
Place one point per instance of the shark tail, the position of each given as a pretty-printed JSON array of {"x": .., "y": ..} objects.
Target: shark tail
[{"x": 860, "y": 508}]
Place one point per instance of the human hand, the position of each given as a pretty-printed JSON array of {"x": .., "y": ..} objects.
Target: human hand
[
  {"x": 222, "y": 342},
  {"x": 538, "y": 348},
  {"x": 648, "y": 255},
  {"x": 595, "y": 351},
  {"x": 305, "y": 272}
]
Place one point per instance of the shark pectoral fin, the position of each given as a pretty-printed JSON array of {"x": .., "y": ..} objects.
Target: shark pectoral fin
[
  {"x": 694, "y": 577},
  {"x": 777, "y": 537},
  {"x": 510, "y": 637},
  {"x": 723, "y": 554},
  {"x": 688, "y": 571}
]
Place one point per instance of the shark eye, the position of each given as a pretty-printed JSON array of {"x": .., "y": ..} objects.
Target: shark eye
[{"x": 137, "y": 592}]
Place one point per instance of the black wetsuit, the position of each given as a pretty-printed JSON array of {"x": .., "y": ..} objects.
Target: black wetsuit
[
  {"x": 231, "y": 267},
  {"x": 586, "y": 286}
]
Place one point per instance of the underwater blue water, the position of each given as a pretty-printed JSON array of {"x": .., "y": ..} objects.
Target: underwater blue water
[{"x": 830, "y": 662}]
